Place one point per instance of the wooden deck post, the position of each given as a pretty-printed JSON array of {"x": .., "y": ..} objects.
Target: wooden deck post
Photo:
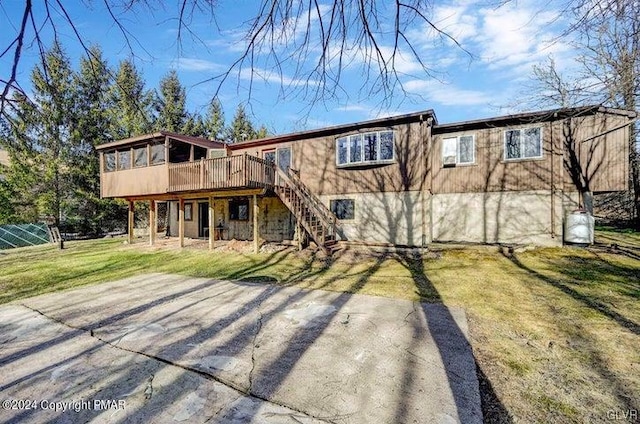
[
  {"x": 153, "y": 223},
  {"x": 131, "y": 222},
  {"x": 212, "y": 223},
  {"x": 181, "y": 222},
  {"x": 256, "y": 210}
]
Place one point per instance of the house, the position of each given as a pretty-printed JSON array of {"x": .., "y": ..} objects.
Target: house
[{"x": 404, "y": 180}]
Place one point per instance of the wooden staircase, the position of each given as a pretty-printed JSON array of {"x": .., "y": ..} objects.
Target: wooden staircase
[{"x": 316, "y": 219}]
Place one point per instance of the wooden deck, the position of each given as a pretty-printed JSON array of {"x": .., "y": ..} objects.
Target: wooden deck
[{"x": 225, "y": 173}]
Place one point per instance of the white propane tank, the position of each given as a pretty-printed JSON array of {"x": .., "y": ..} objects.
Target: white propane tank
[{"x": 579, "y": 227}]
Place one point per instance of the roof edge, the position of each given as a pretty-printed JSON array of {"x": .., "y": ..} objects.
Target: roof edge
[
  {"x": 532, "y": 117},
  {"x": 203, "y": 142},
  {"x": 319, "y": 132}
]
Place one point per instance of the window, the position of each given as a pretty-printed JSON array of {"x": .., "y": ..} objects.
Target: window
[
  {"x": 361, "y": 149},
  {"x": 343, "y": 208},
  {"x": 157, "y": 154},
  {"x": 523, "y": 143},
  {"x": 284, "y": 158},
  {"x": 188, "y": 211},
  {"x": 109, "y": 161},
  {"x": 124, "y": 159},
  {"x": 140, "y": 156},
  {"x": 458, "y": 150},
  {"x": 239, "y": 209},
  {"x": 269, "y": 156}
]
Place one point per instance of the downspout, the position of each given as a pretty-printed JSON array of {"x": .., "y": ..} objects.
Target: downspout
[
  {"x": 424, "y": 179},
  {"x": 553, "y": 195}
]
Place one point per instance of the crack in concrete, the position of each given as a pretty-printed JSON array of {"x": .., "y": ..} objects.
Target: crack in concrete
[
  {"x": 254, "y": 346},
  {"x": 203, "y": 374}
]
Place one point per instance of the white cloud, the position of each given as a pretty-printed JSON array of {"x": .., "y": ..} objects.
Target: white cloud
[
  {"x": 197, "y": 65},
  {"x": 275, "y": 77},
  {"x": 447, "y": 95},
  {"x": 352, "y": 108}
]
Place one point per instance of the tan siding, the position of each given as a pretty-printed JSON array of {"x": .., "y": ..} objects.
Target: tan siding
[
  {"x": 316, "y": 160},
  {"x": 135, "y": 182},
  {"x": 492, "y": 172},
  {"x": 605, "y": 159}
]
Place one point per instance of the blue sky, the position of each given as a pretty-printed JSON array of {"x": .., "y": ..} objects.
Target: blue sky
[{"x": 504, "y": 43}]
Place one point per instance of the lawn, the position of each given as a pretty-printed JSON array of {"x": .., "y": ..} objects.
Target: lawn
[{"x": 555, "y": 331}]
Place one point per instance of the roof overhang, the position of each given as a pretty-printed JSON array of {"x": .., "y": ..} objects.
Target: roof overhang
[
  {"x": 530, "y": 118},
  {"x": 338, "y": 129},
  {"x": 162, "y": 136}
]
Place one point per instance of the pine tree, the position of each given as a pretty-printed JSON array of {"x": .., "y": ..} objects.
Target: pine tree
[
  {"x": 194, "y": 126},
  {"x": 214, "y": 122},
  {"x": 48, "y": 132},
  {"x": 94, "y": 112},
  {"x": 170, "y": 104},
  {"x": 241, "y": 128},
  {"x": 130, "y": 103}
]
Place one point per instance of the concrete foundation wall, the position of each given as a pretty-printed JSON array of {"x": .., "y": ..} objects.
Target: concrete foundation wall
[
  {"x": 529, "y": 217},
  {"x": 274, "y": 220},
  {"x": 394, "y": 218}
]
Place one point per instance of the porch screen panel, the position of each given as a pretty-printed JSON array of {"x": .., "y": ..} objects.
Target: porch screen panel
[
  {"x": 110, "y": 161},
  {"x": 124, "y": 159},
  {"x": 157, "y": 154},
  {"x": 140, "y": 157}
]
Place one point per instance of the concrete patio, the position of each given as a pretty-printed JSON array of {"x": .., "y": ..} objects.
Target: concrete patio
[{"x": 166, "y": 348}]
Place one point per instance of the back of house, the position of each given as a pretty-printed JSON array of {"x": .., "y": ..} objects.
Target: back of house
[{"x": 403, "y": 181}]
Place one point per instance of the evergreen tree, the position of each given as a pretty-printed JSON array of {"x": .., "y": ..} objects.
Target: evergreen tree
[
  {"x": 44, "y": 132},
  {"x": 94, "y": 111},
  {"x": 130, "y": 103},
  {"x": 214, "y": 122},
  {"x": 241, "y": 128},
  {"x": 194, "y": 126},
  {"x": 262, "y": 132},
  {"x": 170, "y": 104}
]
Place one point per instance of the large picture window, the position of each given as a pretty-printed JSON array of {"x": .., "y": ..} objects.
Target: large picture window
[
  {"x": 459, "y": 150},
  {"x": 343, "y": 208},
  {"x": 525, "y": 143},
  {"x": 365, "y": 148}
]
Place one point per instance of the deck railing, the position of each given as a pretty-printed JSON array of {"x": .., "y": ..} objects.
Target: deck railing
[{"x": 241, "y": 171}]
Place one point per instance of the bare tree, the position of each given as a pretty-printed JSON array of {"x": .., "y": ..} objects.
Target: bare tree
[
  {"x": 304, "y": 45},
  {"x": 608, "y": 42}
]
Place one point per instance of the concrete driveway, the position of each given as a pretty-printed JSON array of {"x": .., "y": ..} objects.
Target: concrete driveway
[{"x": 166, "y": 348}]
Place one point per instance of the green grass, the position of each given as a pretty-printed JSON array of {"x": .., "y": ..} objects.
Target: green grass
[{"x": 554, "y": 330}]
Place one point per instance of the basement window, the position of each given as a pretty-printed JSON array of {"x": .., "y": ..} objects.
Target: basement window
[
  {"x": 365, "y": 148},
  {"x": 459, "y": 150},
  {"x": 239, "y": 209},
  {"x": 525, "y": 143},
  {"x": 343, "y": 208}
]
